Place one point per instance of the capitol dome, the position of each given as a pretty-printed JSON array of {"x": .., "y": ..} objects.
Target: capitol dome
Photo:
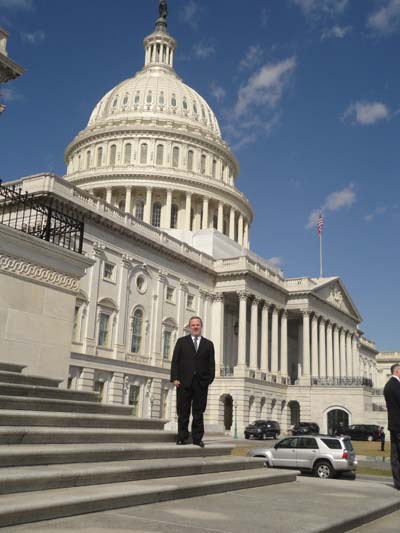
[{"x": 153, "y": 148}]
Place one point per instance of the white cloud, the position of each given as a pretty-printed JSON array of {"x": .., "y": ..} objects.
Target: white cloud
[
  {"x": 366, "y": 113},
  {"x": 217, "y": 91},
  {"x": 202, "y": 51},
  {"x": 379, "y": 211},
  {"x": 337, "y": 32},
  {"x": 190, "y": 13},
  {"x": 34, "y": 37},
  {"x": 16, "y": 4},
  {"x": 275, "y": 261},
  {"x": 333, "y": 202},
  {"x": 9, "y": 95},
  {"x": 265, "y": 87},
  {"x": 317, "y": 7},
  {"x": 386, "y": 19},
  {"x": 252, "y": 58}
]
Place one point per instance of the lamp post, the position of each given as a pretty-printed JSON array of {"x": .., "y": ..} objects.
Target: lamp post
[{"x": 235, "y": 434}]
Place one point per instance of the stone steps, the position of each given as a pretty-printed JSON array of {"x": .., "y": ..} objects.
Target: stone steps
[
  {"x": 47, "y": 477},
  {"x": 34, "y": 506},
  {"x": 60, "y": 435},
  {"x": 26, "y": 379},
  {"x": 27, "y": 391},
  {"x": 74, "y": 420}
]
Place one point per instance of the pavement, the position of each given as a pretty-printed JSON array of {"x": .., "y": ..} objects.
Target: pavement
[{"x": 307, "y": 505}]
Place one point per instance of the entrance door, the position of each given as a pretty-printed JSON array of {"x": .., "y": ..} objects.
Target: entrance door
[
  {"x": 337, "y": 419},
  {"x": 228, "y": 408}
]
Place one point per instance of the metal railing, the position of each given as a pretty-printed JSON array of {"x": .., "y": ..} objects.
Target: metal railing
[
  {"x": 342, "y": 382},
  {"x": 40, "y": 216}
]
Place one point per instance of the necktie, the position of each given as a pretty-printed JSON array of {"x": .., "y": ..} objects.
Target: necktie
[{"x": 196, "y": 340}]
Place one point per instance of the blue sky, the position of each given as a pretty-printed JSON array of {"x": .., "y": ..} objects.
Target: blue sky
[{"x": 307, "y": 92}]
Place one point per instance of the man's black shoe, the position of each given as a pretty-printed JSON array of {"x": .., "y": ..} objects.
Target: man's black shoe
[
  {"x": 201, "y": 444},
  {"x": 181, "y": 442}
]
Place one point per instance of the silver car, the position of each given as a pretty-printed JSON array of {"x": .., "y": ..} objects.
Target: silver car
[{"x": 323, "y": 455}]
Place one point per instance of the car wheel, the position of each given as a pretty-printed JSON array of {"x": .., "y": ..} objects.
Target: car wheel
[
  {"x": 324, "y": 470},
  {"x": 370, "y": 438}
]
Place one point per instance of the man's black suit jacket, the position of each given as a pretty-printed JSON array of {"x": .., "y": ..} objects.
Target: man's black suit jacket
[
  {"x": 186, "y": 362},
  {"x": 392, "y": 397}
]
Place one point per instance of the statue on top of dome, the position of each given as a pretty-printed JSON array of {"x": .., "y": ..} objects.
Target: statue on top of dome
[{"x": 163, "y": 9}]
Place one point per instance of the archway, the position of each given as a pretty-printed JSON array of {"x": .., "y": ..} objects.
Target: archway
[
  {"x": 294, "y": 408},
  {"x": 337, "y": 419}
]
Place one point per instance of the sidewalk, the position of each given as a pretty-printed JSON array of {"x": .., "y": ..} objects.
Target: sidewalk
[{"x": 308, "y": 505}]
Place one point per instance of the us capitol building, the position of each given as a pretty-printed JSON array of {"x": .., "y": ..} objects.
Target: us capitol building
[{"x": 169, "y": 232}]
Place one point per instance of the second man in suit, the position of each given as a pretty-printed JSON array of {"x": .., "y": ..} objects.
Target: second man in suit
[
  {"x": 192, "y": 371},
  {"x": 392, "y": 397}
]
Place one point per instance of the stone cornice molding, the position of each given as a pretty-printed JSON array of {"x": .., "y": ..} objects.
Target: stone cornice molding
[{"x": 22, "y": 268}]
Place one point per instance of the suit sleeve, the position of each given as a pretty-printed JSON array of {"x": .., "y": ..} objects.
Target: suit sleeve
[
  {"x": 175, "y": 362},
  {"x": 212, "y": 363}
]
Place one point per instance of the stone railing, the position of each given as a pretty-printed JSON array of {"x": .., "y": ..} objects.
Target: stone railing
[
  {"x": 342, "y": 382},
  {"x": 226, "y": 371},
  {"x": 377, "y": 392}
]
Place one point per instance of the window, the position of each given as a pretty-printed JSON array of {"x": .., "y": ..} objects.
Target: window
[
  {"x": 113, "y": 154},
  {"x": 139, "y": 210},
  {"x": 115, "y": 102},
  {"x": 127, "y": 153},
  {"x": 170, "y": 294},
  {"x": 333, "y": 444},
  {"x": 203, "y": 112},
  {"x": 156, "y": 215},
  {"x": 99, "y": 387},
  {"x": 287, "y": 443},
  {"x": 149, "y": 98},
  {"x": 307, "y": 444},
  {"x": 184, "y": 104},
  {"x": 133, "y": 399},
  {"x": 137, "y": 328},
  {"x": 167, "y": 345},
  {"x": 75, "y": 330},
  {"x": 141, "y": 284},
  {"x": 174, "y": 216},
  {"x": 161, "y": 99},
  {"x": 175, "y": 156},
  {"x": 125, "y": 100},
  {"x": 189, "y": 301},
  {"x": 190, "y": 160},
  {"x": 160, "y": 154},
  {"x": 214, "y": 168},
  {"x": 203, "y": 164},
  {"x": 194, "y": 108},
  {"x": 173, "y": 100},
  {"x": 88, "y": 159},
  {"x": 108, "y": 271},
  {"x": 104, "y": 325},
  {"x": 215, "y": 221},
  {"x": 191, "y": 219},
  {"x": 143, "y": 154},
  {"x": 99, "y": 156},
  {"x": 137, "y": 97}
]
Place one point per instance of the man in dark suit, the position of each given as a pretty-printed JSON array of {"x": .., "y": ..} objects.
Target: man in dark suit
[
  {"x": 392, "y": 398},
  {"x": 192, "y": 371}
]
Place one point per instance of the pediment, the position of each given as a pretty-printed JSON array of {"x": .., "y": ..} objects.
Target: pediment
[{"x": 335, "y": 293}]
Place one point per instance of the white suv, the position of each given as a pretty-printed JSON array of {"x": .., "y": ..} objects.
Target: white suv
[{"x": 324, "y": 455}]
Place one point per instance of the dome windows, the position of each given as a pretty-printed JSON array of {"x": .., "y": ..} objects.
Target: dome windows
[
  {"x": 203, "y": 113},
  {"x": 143, "y": 153},
  {"x": 161, "y": 99},
  {"x": 127, "y": 153},
  {"x": 184, "y": 103},
  {"x": 149, "y": 98},
  {"x": 125, "y": 100},
  {"x": 203, "y": 164},
  {"x": 137, "y": 97},
  {"x": 160, "y": 154},
  {"x": 173, "y": 100},
  {"x": 190, "y": 160},
  {"x": 175, "y": 157},
  {"x": 174, "y": 216},
  {"x": 194, "y": 108},
  {"x": 214, "y": 168},
  {"x": 113, "y": 154},
  {"x": 139, "y": 210},
  {"x": 115, "y": 102},
  {"x": 99, "y": 156},
  {"x": 156, "y": 215}
]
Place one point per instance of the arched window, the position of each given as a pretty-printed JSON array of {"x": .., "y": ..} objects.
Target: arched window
[
  {"x": 149, "y": 97},
  {"x": 184, "y": 104},
  {"x": 203, "y": 164},
  {"x": 143, "y": 154},
  {"x": 203, "y": 112},
  {"x": 214, "y": 168},
  {"x": 173, "y": 100},
  {"x": 99, "y": 156},
  {"x": 161, "y": 99},
  {"x": 167, "y": 344},
  {"x": 88, "y": 159},
  {"x": 174, "y": 216},
  {"x": 79, "y": 161},
  {"x": 127, "y": 153},
  {"x": 137, "y": 97},
  {"x": 113, "y": 154},
  {"x": 139, "y": 210},
  {"x": 115, "y": 102},
  {"x": 125, "y": 100},
  {"x": 194, "y": 108},
  {"x": 160, "y": 154},
  {"x": 175, "y": 156},
  {"x": 156, "y": 215},
  {"x": 137, "y": 331},
  {"x": 190, "y": 160}
]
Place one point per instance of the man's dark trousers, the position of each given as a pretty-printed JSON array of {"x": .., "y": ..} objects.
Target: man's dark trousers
[
  {"x": 191, "y": 398},
  {"x": 395, "y": 457}
]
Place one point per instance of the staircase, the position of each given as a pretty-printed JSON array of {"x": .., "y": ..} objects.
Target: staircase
[{"x": 62, "y": 453}]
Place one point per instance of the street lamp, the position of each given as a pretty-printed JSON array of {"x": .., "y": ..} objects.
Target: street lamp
[{"x": 235, "y": 434}]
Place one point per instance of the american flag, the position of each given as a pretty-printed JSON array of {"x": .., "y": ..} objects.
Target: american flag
[{"x": 320, "y": 224}]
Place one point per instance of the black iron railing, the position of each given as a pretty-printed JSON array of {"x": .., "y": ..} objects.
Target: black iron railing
[
  {"x": 342, "y": 382},
  {"x": 40, "y": 216}
]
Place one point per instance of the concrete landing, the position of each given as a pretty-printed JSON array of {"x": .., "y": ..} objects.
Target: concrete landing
[{"x": 308, "y": 505}]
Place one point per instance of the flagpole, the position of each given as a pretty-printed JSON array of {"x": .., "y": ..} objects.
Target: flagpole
[{"x": 320, "y": 255}]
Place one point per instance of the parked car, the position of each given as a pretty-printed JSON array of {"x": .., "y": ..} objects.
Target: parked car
[
  {"x": 361, "y": 432},
  {"x": 323, "y": 455},
  {"x": 261, "y": 429},
  {"x": 305, "y": 428}
]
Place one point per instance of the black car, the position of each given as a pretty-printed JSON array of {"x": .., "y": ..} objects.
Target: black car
[
  {"x": 261, "y": 429},
  {"x": 361, "y": 432},
  {"x": 305, "y": 428}
]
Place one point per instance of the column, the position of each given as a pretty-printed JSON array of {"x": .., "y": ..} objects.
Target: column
[
  {"x": 128, "y": 200},
  {"x": 329, "y": 351},
  {"x": 314, "y": 347},
  {"x": 168, "y": 208},
  {"x": 306, "y": 344},
  {"x": 220, "y": 226},
  {"x": 299, "y": 349},
  {"x": 109, "y": 195},
  {"x": 218, "y": 329},
  {"x": 349, "y": 355},
  {"x": 356, "y": 357},
  {"x": 158, "y": 300},
  {"x": 242, "y": 329},
  {"x": 342, "y": 353},
  {"x": 188, "y": 211},
  {"x": 274, "y": 341},
  {"x": 264, "y": 338},
  {"x": 246, "y": 235},
  {"x": 204, "y": 224},
  {"x": 240, "y": 230},
  {"x": 254, "y": 335},
  {"x": 322, "y": 349},
  {"x": 147, "y": 206},
  {"x": 232, "y": 224},
  {"x": 90, "y": 340},
  {"x": 284, "y": 351},
  {"x": 336, "y": 352},
  {"x": 120, "y": 342},
  {"x": 181, "y": 306}
]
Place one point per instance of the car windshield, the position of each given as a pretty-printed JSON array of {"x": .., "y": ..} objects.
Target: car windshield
[
  {"x": 348, "y": 445},
  {"x": 259, "y": 422}
]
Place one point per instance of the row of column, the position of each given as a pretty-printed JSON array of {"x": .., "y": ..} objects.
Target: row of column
[
  {"x": 329, "y": 350},
  {"x": 238, "y": 226}
]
